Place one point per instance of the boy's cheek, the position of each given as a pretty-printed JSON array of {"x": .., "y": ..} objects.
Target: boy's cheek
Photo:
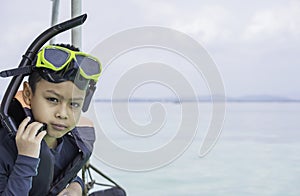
[{"x": 76, "y": 118}]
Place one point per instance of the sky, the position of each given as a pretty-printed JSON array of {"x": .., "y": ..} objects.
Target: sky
[{"x": 254, "y": 44}]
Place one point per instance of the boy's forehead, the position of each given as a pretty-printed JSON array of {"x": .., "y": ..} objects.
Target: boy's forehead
[{"x": 66, "y": 89}]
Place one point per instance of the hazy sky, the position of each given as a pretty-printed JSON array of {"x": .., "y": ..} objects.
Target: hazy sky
[{"x": 253, "y": 43}]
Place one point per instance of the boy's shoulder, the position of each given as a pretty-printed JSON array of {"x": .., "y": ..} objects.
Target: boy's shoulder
[
  {"x": 85, "y": 132},
  {"x": 85, "y": 122},
  {"x": 86, "y": 129}
]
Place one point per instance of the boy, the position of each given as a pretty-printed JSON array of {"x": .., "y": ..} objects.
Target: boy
[{"x": 46, "y": 162}]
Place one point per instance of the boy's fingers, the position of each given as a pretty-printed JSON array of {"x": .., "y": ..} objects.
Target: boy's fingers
[
  {"x": 33, "y": 128},
  {"x": 41, "y": 135},
  {"x": 23, "y": 124}
]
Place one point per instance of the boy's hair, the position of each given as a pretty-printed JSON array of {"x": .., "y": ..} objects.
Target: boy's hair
[{"x": 35, "y": 77}]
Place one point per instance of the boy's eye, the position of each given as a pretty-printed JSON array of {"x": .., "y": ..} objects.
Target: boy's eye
[
  {"x": 52, "y": 99},
  {"x": 75, "y": 105}
]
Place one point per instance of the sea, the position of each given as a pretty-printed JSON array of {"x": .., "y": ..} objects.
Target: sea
[{"x": 257, "y": 151}]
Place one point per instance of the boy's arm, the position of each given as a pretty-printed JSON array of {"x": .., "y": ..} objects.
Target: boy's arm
[
  {"x": 28, "y": 142},
  {"x": 19, "y": 182}
]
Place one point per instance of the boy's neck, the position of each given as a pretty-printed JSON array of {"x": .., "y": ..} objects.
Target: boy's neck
[{"x": 50, "y": 141}]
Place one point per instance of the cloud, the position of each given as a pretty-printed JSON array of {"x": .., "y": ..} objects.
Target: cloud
[
  {"x": 214, "y": 23},
  {"x": 243, "y": 38},
  {"x": 275, "y": 22},
  {"x": 207, "y": 22}
]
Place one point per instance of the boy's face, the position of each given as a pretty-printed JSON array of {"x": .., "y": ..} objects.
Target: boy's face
[{"x": 56, "y": 104}]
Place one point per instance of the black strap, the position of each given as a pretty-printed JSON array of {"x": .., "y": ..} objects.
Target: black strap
[{"x": 41, "y": 183}]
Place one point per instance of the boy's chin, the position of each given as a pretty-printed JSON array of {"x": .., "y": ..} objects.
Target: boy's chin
[{"x": 56, "y": 134}]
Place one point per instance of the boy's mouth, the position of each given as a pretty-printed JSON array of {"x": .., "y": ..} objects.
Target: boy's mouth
[{"x": 59, "y": 127}]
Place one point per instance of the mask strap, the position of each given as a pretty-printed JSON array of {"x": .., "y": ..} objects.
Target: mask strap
[{"x": 88, "y": 96}]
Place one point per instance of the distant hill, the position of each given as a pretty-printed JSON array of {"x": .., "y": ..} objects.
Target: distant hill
[
  {"x": 250, "y": 98},
  {"x": 262, "y": 98}
]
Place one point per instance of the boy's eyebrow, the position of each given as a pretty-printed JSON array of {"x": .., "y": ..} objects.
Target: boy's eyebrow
[
  {"x": 55, "y": 93},
  {"x": 77, "y": 99},
  {"x": 62, "y": 97}
]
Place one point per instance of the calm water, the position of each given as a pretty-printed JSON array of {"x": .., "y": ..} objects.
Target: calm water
[{"x": 258, "y": 153}]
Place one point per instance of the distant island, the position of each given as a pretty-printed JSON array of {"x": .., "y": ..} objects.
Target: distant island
[
  {"x": 262, "y": 98},
  {"x": 251, "y": 98}
]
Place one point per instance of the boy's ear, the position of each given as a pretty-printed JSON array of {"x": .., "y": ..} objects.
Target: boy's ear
[{"x": 27, "y": 93}]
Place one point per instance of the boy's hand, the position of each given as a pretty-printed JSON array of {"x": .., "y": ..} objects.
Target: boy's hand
[
  {"x": 73, "y": 189},
  {"x": 27, "y": 140}
]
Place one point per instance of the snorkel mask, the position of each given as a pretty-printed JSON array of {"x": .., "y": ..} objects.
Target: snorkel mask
[
  {"x": 61, "y": 61},
  {"x": 26, "y": 67}
]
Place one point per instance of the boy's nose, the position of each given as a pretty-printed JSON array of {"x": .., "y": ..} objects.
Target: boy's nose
[
  {"x": 62, "y": 113},
  {"x": 61, "y": 116}
]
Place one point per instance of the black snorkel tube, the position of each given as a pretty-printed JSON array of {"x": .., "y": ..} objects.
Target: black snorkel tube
[{"x": 26, "y": 63}]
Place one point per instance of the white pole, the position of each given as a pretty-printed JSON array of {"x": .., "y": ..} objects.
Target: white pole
[
  {"x": 54, "y": 18},
  {"x": 76, "y": 32}
]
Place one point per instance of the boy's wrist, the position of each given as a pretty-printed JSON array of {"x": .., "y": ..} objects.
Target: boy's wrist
[{"x": 26, "y": 165}]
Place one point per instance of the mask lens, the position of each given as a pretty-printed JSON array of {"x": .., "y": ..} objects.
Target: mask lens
[
  {"x": 88, "y": 65},
  {"x": 56, "y": 57}
]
